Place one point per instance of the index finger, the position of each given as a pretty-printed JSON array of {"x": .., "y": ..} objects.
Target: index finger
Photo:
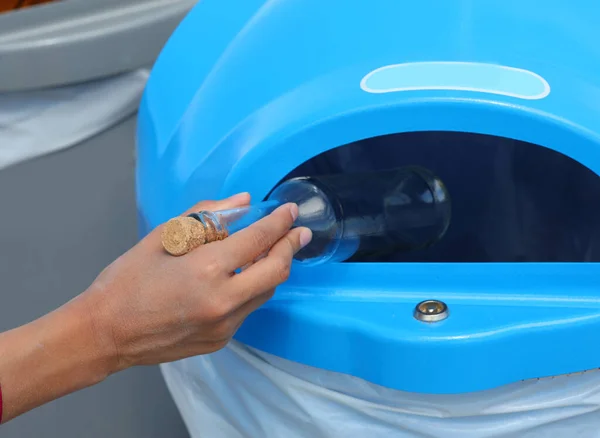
[{"x": 249, "y": 243}]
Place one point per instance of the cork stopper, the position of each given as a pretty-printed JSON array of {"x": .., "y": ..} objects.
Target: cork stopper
[
  {"x": 214, "y": 235},
  {"x": 183, "y": 234}
]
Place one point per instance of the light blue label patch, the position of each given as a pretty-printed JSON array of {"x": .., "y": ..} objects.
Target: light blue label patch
[{"x": 460, "y": 76}]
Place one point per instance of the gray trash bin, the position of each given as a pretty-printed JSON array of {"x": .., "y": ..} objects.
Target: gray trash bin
[
  {"x": 80, "y": 40},
  {"x": 86, "y": 194},
  {"x": 71, "y": 42}
]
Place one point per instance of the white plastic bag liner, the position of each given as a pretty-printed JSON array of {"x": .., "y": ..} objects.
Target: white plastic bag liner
[
  {"x": 34, "y": 123},
  {"x": 240, "y": 392}
]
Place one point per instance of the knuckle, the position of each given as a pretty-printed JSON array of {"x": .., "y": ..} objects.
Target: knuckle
[
  {"x": 211, "y": 267},
  {"x": 291, "y": 244},
  {"x": 222, "y": 332},
  {"x": 261, "y": 238},
  {"x": 269, "y": 294},
  {"x": 216, "y": 345},
  {"x": 282, "y": 268},
  {"x": 216, "y": 310},
  {"x": 284, "y": 220},
  {"x": 212, "y": 306}
]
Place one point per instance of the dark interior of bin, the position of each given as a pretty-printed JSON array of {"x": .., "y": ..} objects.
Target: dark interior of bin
[{"x": 511, "y": 201}]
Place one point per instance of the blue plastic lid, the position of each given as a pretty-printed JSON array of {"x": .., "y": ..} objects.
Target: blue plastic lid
[{"x": 279, "y": 83}]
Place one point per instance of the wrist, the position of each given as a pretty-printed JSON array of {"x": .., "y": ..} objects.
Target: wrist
[
  {"x": 100, "y": 332},
  {"x": 49, "y": 358}
]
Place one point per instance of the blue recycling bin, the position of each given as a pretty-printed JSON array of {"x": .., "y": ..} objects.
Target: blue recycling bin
[{"x": 498, "y": 98}]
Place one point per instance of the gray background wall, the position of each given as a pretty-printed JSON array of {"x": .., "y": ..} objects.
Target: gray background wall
[{"x": 63, "y": 218}]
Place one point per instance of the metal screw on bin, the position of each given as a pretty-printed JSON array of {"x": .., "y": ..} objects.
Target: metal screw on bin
[{"x": 431, "y": 311}]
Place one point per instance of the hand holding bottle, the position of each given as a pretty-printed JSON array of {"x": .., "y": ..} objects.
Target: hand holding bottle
[
  {"x": 148, "y": 308},
  {"x": 154, "y": 308}
]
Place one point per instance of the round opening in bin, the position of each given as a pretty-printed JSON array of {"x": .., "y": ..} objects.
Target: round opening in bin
[{"x": 512, "y": 201}]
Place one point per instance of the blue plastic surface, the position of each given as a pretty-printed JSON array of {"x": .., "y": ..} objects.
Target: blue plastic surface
[{"x": 245, "y": 92}]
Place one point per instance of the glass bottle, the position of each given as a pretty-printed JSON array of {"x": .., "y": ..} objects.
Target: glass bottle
[{"x": 352, "y": 215}]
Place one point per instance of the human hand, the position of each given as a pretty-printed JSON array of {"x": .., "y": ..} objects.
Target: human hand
[{"x": 149, "y": 307}]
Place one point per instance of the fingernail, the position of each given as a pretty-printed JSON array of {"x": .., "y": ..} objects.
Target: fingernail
[
  {"x": 294, "y": 211},
  {"x": 305, "y": 237}
]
